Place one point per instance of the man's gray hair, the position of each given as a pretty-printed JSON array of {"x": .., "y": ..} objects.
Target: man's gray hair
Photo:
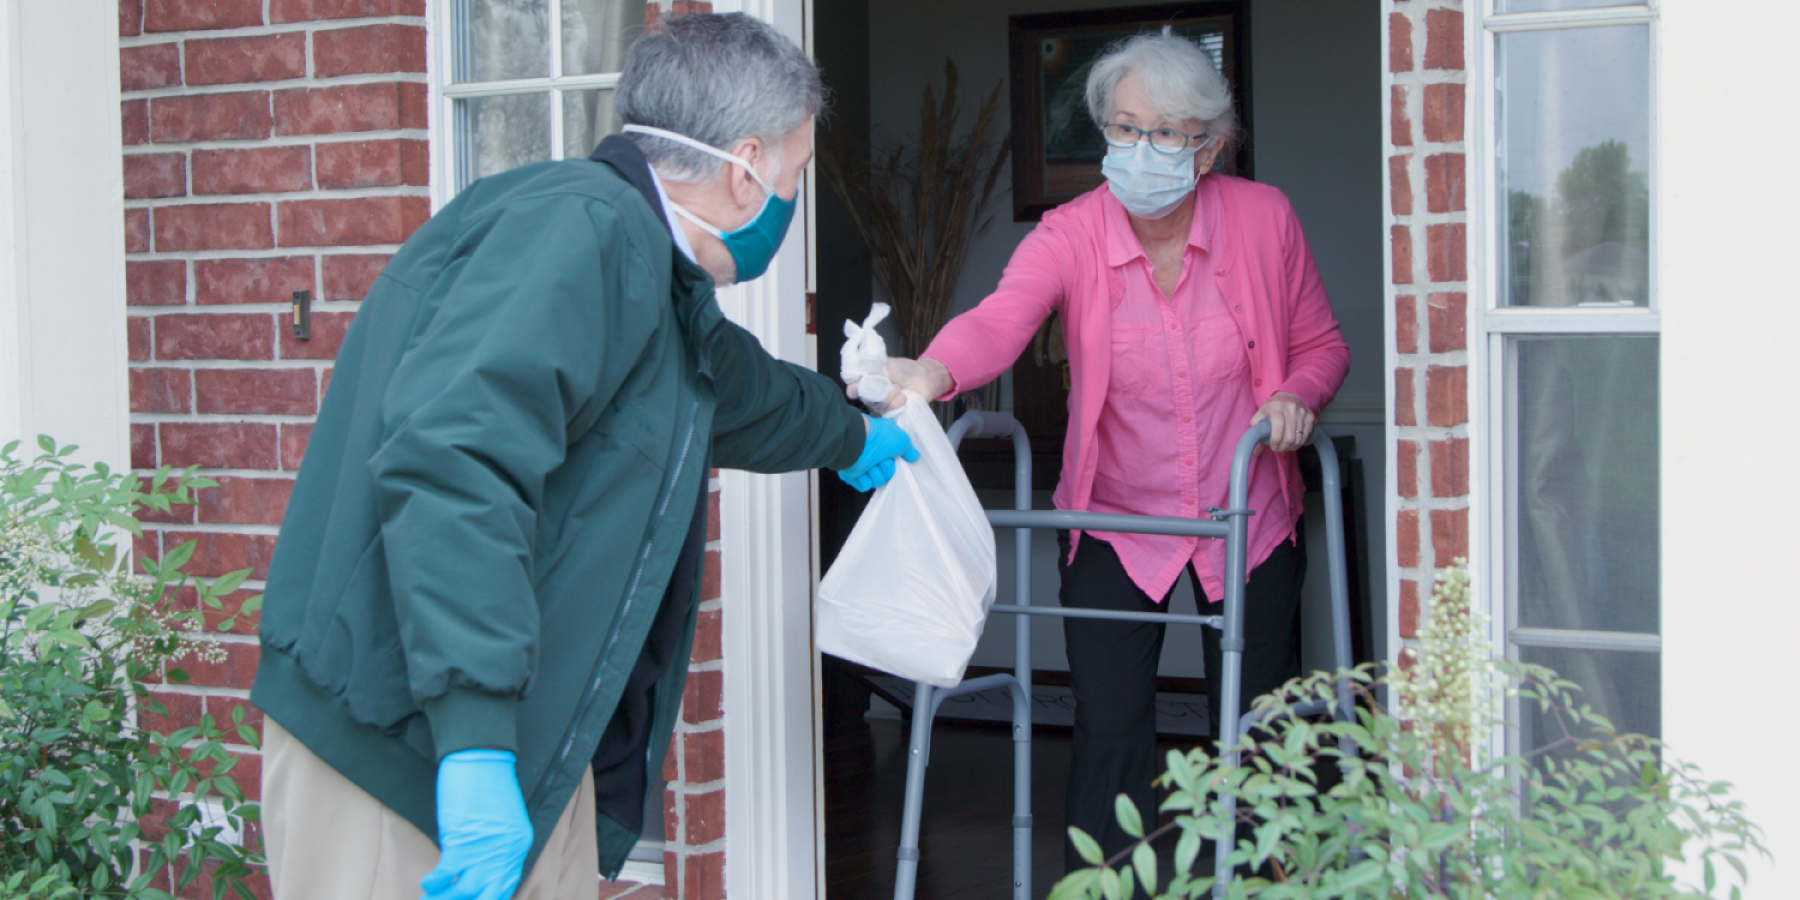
[
  {"x": 1179, "y": 77},
  {"x": 717, "y": 79}
]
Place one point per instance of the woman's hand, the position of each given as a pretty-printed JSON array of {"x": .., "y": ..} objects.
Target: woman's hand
[
  {"x": 1290, "y": 422},
  {"x": 926, "y": 377}
]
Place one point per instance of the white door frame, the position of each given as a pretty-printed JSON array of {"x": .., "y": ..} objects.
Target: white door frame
[{"x": 771, "y": 836}]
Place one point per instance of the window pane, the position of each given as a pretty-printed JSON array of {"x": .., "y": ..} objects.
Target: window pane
[
  {"x": 1574, "y": 150},
  {"x": 1623, "y": 686},
  {"x": 1523, "y": 6},
  {"x": 596, "y": 33},
  {"x": 1584, "y": 510},
  {"x": 503, "y": 39},
  {"x": 587, "y": 117},
  {"x": 500, "y": 133}
]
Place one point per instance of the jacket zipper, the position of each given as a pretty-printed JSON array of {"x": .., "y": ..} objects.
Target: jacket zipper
[{"x": 631, "y": 591}]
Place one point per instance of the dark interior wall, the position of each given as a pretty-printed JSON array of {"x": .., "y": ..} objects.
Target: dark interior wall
[
  {"x": 841, "y": 45},
  {"x": 843, "y": 279}
]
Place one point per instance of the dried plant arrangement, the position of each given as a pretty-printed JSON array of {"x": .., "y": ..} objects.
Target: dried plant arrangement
[{"x": 919, "y": 205}]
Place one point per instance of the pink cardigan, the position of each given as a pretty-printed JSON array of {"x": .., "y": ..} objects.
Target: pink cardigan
[{"x": 1266, "y": 276}]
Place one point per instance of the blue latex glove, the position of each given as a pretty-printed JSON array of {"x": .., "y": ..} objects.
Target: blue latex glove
[
  {"x": 876, "y": 464},
  {"x": 482, "y": 828}
]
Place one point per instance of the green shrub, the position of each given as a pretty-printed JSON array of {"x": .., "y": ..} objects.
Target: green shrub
[
  {"x": 1423, "y": 809},
  {"x": 79, "y": 636}
]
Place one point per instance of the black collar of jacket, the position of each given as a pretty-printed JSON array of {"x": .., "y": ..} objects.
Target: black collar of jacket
[
  {"x": 622, "y": 153},
  {"x": 693, "y": 286}
]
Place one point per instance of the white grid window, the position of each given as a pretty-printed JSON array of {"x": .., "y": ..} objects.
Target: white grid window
[
  {"x": 1570, "y": 329},
  {"x": 531, "y": 80}
]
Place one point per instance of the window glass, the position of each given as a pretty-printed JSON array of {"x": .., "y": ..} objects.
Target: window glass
[
  {"x": 500, "y": 133},
  {"x": 1622, "y": 685},
  {"x": 503, "y": 39},
  {"x": 595, "y": 34},
  {"x": 587, "y": 117},
  {"x": 1574, "y": 152},
  {"x": 1584, "y": 505},
  {"x": 1524, "y": 6}
]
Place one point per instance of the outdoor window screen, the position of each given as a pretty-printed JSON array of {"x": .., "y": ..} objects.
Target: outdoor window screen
[
  {"x": 531, "y": 80},
  {"x": 1572, "y": 342}
]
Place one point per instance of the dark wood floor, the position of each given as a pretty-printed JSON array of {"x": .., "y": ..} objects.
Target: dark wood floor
[{"x": 966, "y": 838}]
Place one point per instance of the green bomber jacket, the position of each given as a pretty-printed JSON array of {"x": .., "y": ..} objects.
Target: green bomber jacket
[{"x": 503, "y": 474}]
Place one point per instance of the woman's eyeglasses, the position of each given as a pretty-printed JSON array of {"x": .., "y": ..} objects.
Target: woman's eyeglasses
[{"x": 1164, "y": 140}]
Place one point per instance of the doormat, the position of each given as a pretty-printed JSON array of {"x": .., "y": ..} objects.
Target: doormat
[{"x": 1177, "y": 715}]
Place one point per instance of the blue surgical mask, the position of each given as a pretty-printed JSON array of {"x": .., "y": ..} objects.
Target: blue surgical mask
[
  {"x": 753, "y": 246},
  {"x": 1148, "y": 182}
]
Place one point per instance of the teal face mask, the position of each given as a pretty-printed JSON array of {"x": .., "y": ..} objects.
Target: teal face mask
[{"x": 753, "y": 246}]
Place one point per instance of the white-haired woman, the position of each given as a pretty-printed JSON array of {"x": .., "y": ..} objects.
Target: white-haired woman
[{"x": 1191, "y": 308}]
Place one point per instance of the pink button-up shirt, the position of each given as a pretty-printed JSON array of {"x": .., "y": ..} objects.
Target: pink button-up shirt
[
  {"x": 1179, "y": 397},
  {"x": 1264, "y": 275}
]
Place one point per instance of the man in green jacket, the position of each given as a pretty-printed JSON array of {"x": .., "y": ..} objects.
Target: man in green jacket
[{"x": 485, "y": 587}]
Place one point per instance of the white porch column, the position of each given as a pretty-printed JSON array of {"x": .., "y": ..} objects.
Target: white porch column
[
  {"x": 62, "y": 262},
  {"x": 770, "y": 827}
]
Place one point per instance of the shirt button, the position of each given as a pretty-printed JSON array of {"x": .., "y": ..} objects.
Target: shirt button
[
  {"x": 1259, "y": 382},
  {"x": 1188, "y": 461},
  {"x": 1187, "y": 418},
  {"x": 1173, "y": 326},
  {"x": 1240, "y": 307},
  {"x": 1253, "y": 345},
  {"x": 1181, "y": 374}
]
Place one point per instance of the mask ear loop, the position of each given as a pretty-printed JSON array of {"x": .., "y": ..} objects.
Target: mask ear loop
[{"x": 703, "y": 148}]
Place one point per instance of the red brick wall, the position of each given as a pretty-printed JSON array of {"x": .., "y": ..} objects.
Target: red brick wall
[
  {"x": 1430, "y": 250},
  {"x": 269, "y": 147}
]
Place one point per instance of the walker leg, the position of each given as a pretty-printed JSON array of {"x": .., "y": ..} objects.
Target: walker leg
[
  {"x": 1022, "y": 675},
  {"x": 1229, "y": 702},
  {"x": 906, "y": 873},
  {"x": 1021, "y": 819}
]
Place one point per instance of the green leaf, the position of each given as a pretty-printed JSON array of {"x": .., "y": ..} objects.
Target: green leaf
[
  {"x": 177, "y": 676},
  {"x": 252, "y": 605},
  {"x": 97, "y": 609},
  {"x": 1187, "y": 849},
  {"x": 1129, "y": 820},
  {"x": 225, "y": 584},
  {"x": 1086, "y": 846},
  {"x": 1143, "y": 859},
  {"x": 177, "y": 558},
  {"x": 1076, "y": 885},
  {"x": 1360, "y": 874}
]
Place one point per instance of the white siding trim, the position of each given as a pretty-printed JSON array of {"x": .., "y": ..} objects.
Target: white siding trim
[
  {"x": 1730, "y": 488},
  {"x": 62, "y": 266}
]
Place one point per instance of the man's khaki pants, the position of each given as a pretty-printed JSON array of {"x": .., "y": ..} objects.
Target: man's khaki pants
[{"x": 327, "y": 838}]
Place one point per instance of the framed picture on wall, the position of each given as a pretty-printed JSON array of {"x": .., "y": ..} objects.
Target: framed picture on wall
[{"x": 1056, "y": 148}]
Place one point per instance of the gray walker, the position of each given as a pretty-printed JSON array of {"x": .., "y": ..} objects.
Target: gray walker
[{"x": 1229, "y": 524}]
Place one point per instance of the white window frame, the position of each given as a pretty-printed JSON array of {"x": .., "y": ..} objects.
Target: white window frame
[
  {"x": 449, "y": 152},
  {"x": 1493, "y": 407}
]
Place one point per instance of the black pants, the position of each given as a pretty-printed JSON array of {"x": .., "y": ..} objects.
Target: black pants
[{"x": 1112, "y": 666}]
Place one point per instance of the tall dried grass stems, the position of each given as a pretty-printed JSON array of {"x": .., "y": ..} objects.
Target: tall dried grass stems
[{"x": 918, "y": 207}]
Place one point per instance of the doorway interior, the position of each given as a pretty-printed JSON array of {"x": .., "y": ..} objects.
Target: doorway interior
[{"x": 1315, "y": 132}]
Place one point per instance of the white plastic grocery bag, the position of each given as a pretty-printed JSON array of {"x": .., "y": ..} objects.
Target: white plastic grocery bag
[
  {"x": 864, "y": 356},
  {"x": 910, "y": 591}
]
